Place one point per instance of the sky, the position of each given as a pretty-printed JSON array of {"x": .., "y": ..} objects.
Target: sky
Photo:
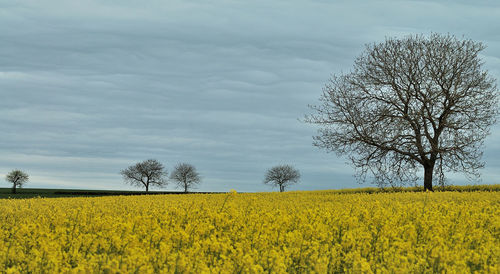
[{"x": 88, "y": 88}]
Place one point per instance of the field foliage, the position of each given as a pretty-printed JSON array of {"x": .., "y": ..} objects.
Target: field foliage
[{"x": 321, "y": 231}]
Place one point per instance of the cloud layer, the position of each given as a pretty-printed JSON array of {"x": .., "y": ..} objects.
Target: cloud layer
[{"x": 90, "y": 87}]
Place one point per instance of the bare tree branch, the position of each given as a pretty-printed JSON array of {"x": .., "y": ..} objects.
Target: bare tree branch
[
  {"x": 185, "y": 176},
  {"x": 17, "y": 178},
  {"x": 282, "y": 176},
  {"x": 147, "y": 173},
  {"x": 410, "y": 104}
]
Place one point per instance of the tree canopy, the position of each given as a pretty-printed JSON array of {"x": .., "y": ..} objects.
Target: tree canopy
[
  {"x": 147, "y": 173},
  {"x": 17, "y": 178},
  {"x": 282, "y": 176},
  {"x": 410, "y": 104},
  {"x": 185, "y": 176}
]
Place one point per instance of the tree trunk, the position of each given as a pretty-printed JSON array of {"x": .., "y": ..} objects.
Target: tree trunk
[
  {"x": 282, "y": 188},
  {"x": 147, "y": 187},
  {"x": 14, "y": 189},
  {"x": 428, "y": 170},
  {"x": 185, "y": 188}
]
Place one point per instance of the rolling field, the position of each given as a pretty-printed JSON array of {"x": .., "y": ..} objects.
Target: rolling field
[{"x": 321, "y": 231}]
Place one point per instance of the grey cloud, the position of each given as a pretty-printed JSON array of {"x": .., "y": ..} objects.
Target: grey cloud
[{"x": 89, "y": 87}]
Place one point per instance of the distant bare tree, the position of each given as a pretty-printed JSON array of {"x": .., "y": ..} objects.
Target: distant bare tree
[
  {"x": 17, "y": 178},
  {"x": 282, "y": 176},
  {"x": 185, "y": 176},
  {"x": 147, "y": 173},
  {"x": 410, "y": 104}
]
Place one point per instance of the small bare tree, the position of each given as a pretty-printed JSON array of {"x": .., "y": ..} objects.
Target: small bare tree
[
  {"x": 147, "y": 173},
  {"x": 410, "y": 104},
  {"x": 17, "y": 178},
  {"x": 185, "y": 176},
  {"x": 282, "y": 176}
]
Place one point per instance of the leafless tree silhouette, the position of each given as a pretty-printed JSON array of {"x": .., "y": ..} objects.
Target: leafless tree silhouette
[
  {"x": 147, "y": 173},
  {"x": 282, "y": 176},
  {"x": 17, "y": 178},
  {"x": 185, "y": 176},
  {"x": 410, "y": 104}
]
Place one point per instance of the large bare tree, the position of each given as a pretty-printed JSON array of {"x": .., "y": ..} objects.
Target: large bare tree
[
  {"x": 282, "y": 176},
  {"x": 411, "y": 104},
  {"x": 147, "y": 173},
  {"x": 17, "y": 178},
  {"x": 185, "y": 176}
]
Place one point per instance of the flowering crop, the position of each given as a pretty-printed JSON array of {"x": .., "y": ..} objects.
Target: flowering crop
[{"x": 263, "y": 232}]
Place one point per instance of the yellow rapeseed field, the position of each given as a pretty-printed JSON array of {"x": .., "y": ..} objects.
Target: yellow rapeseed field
[{"x": 251, "y": 233}]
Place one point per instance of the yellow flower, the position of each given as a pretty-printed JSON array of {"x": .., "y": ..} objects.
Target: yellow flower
[{"x": 318, "y": 231}]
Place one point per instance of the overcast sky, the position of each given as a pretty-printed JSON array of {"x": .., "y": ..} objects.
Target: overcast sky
[{"x": 88, "y": 88}]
